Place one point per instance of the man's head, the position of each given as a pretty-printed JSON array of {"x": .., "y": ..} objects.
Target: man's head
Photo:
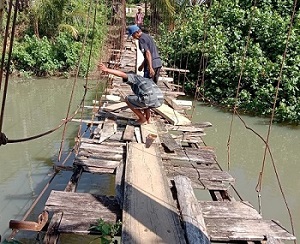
[{"x": 134, "y": 31}]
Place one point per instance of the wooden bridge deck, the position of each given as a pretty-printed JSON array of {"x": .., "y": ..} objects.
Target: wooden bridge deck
[{"x": 154, "y": 185}]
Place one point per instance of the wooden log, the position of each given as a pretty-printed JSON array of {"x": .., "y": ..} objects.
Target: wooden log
[{"x": 191, "y": 211}]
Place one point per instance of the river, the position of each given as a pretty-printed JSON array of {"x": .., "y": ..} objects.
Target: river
[{"x": 36, "y": 106}]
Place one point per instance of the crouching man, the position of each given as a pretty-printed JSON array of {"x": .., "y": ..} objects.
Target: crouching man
[{"x": 147, "y": 94}]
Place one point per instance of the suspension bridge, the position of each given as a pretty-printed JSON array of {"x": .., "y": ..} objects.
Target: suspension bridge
[{"x": 155, "y": 178}]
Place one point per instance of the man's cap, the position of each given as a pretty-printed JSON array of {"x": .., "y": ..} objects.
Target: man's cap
[{"x": 132, "y": 29}]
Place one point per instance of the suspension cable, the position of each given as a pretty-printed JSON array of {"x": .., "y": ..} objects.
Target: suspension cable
[{"x": 8, "y": 61}]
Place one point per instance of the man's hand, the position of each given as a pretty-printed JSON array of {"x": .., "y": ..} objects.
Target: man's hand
[
  {"x": 152, "y": 72},
  {"x": 140, "y": 68},
  {"x": 102, "y": 67}
]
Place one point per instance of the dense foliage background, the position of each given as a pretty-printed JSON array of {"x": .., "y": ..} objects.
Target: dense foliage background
[
  {"x": 51, "y": 35},
  {"x": 211, "y": 40}
]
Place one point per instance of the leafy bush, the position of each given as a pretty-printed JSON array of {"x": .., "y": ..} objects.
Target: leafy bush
[{"x": 211, "y": 42}]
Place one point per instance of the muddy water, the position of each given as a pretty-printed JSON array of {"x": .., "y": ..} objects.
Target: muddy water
[{"x": 35, "y": 106}]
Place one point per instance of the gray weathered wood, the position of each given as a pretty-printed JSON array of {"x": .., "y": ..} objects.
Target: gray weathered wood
[
  {"x": 149, "y": 213},
  {"x": 80, "y": 210},
  {"x": 168, "y": 142},
  {"x": 128, "y": 134},
  {"x": 227, "y": 209},
  {"x": 109, "y": 128},
  {"x": 238, "y": 229},
  {"x": 191, "y": 212}
]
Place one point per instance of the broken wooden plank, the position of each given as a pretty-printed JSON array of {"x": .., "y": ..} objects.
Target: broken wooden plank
[
  {"x": 168, "y": 142},
  {"x": 115, "y": 106},
  {"x": 108, "y": 129},
  {"x": 128, "y": 133},
  {"x": 147, "y": 129},
  {"x": 172, "y": 115},
  {"x": 138, "y": 135}
]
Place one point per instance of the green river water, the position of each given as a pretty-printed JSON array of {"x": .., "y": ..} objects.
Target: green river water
[{"x": 35, "y": 106}]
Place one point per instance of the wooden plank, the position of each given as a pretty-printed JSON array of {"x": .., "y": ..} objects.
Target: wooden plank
[
  {"x": 203, "y": 178},
  {"x": 184, "y": 103},
  {"x": 168, "y": 142},
  {"x": 109, "y": 128},
  {"x": 172, "y": 115},
  {"x": 119, "y": 183},
  {"x": 80, "y": 210},
  {"x": 114, "y": 107},
  {"x": 128, "y": 133},
  {"x": 175, "y": 69},
  {"x": 111, "y": 97},
  {"x": 52, "y": 234},
  {"x": 164, "y": 78},
  {"x": 169, "y": 100},
  {"x": 190, "y": 128},
  {"x": 103, "y": 147},
  {"x": 226, "y": 230},
  {"x": 149, "y": 214},
  {"x": 191, "y": 211},
  {"x": 226, "y": 209},
  {"x": 147, "y": 129},
  {"x": 86, "y": 121},
  {"x": 137, "y": 133}
]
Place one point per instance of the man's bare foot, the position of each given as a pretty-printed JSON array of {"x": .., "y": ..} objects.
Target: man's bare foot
[{"x": 141, "y": 122}]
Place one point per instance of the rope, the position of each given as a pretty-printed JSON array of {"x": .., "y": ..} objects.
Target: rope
[
  {"x": 238, "y": 88},
  {"x": 259, "y": 183},
  {"x": 75, "y": 81}
]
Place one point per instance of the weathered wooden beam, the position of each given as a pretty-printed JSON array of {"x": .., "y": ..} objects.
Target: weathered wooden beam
[
  {"x": 149, "y": 213},
  {"x": 191, "y": 211}
]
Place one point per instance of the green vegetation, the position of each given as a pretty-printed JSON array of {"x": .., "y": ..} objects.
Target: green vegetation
[
  {"x": 106, "y": 230},
  {"x": 211, "y": 41},
  {"x": 52, "y": 36}
]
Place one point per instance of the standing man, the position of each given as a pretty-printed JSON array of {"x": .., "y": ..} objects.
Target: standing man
[
  {"x": 152, "y": 62},
  {"x": 139, "y": 18}
]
